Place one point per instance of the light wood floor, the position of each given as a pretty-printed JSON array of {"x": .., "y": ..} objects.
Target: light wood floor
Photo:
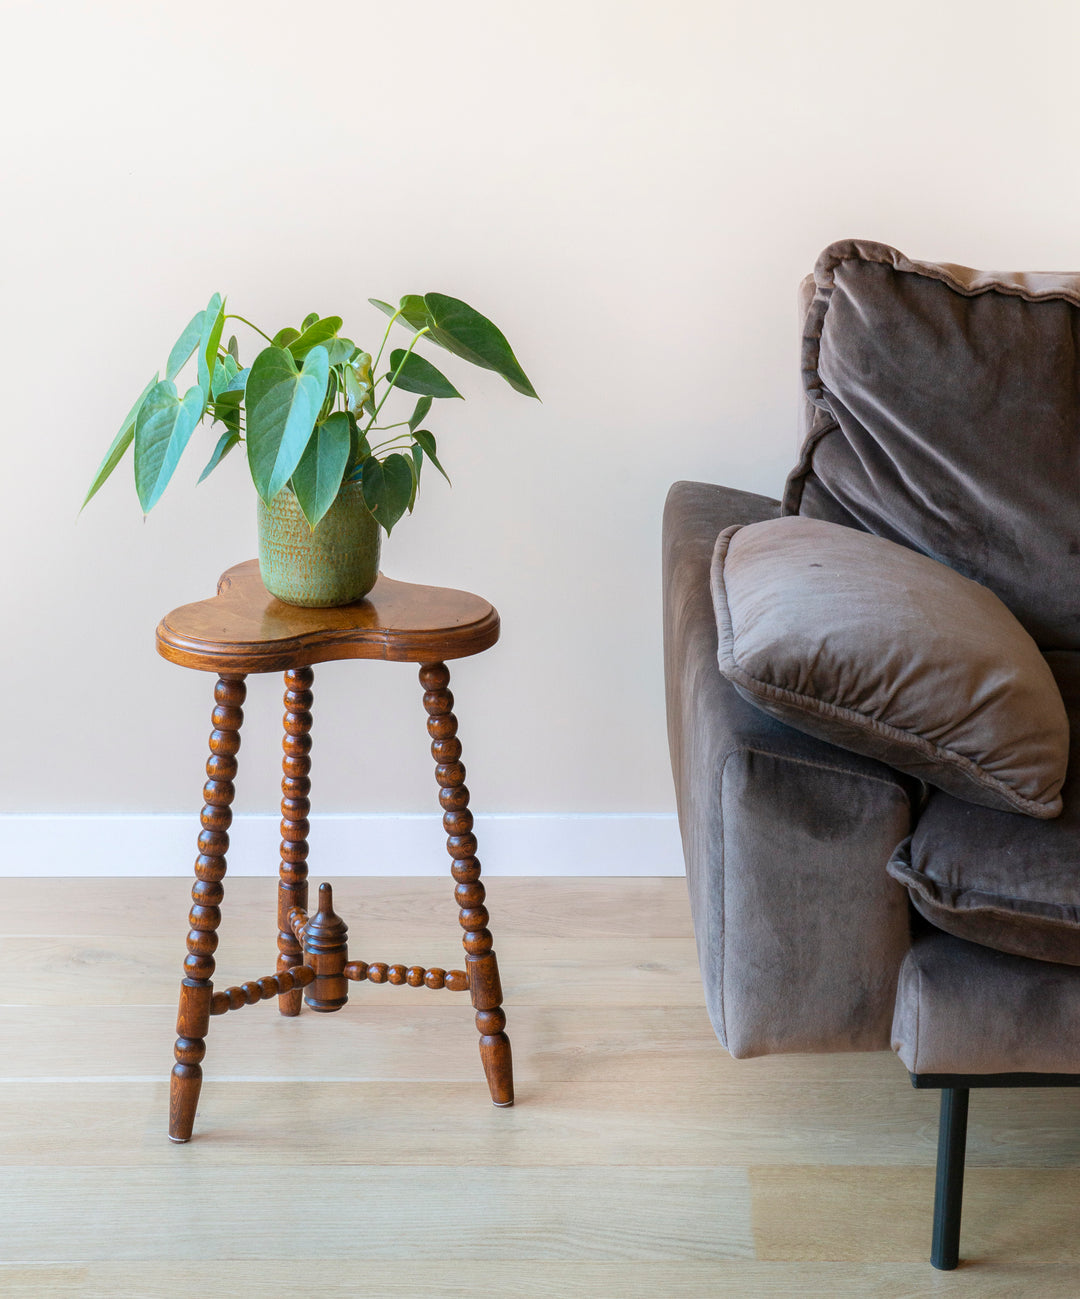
[{"x": 357, "y": 1155}]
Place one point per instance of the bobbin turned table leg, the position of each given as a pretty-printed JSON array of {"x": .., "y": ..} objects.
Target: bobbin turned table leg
[
  {"x": 295, "y": 806},
  {"x": 481, "y": 963},
  {"x": 196, "y": 988}
]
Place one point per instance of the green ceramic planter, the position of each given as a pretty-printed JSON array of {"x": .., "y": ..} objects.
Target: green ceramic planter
[{"x": 336, "y": 564}]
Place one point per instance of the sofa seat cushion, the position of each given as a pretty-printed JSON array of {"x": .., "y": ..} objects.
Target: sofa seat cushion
[
  {"x": 964, "y": 1009},
  {"x": 991, "y": 878},
  {"x": 871, "y": 646},
  {"x": 945, "y": 403}
]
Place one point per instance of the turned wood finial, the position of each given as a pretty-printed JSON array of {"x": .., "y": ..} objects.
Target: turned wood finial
[{"x": 327, "y": 951}]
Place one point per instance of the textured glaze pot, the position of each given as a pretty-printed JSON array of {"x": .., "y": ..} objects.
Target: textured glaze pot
[{"x": 336, "y": 564}]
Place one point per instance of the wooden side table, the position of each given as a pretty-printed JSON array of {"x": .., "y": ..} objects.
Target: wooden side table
[{"x": 244, "y": 629}]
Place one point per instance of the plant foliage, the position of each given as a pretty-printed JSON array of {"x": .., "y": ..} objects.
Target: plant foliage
[{"x": 307, "y": 407}]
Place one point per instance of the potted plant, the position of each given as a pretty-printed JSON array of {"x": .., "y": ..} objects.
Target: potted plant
[{"x": 307, "y": 410}]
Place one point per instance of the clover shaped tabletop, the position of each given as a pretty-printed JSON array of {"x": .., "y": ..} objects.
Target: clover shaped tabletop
[{"x": 245, "y": 629}]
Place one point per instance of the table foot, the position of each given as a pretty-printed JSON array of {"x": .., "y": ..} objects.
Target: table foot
[
  {"x": 495, "y": 1056},
  {"x": 185, "y": 1083}
]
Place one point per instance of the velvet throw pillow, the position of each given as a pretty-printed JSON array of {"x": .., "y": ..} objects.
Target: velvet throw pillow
[
  {"x": 874, "y": 647},
  {"x": 995, "y": 880}
]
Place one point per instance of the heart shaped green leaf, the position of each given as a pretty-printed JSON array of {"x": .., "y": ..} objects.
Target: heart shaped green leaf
[
  {"x": 417, "y": 464},
  {"x": 359, "y": 450},
  {"x": 418, "y": 375},
  {"x": 226, "y": 410},
  {"x": 282, "y": 406},
  {"x": 458, "y": 328},
  {"x": 209, "y": 339},
  {"x": 419, "y": 411},
  {"x": 321, "y": 331},
  {"x": 225, "y": 444},
  {"x": 119, "y": 445},
  {"x": 284, "y": 336},
  {"x": 427, "y": 443},
  {"x": 185, "y": 345},
  {"x": 412, "y": 312},
  {"x": 465, "y": 332},
  {"x": 228, "y": 378},
  {"x": 340, "y": 350},
  {"x": 237, "y": 383},
  {"x": 387, "y": 488},
  {"x": 162, "y": 431},
  {"x": 371, "y": 477},
  {"x": 317, "y": 478}
]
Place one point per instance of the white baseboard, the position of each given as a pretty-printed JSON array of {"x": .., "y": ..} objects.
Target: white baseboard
[{"x": 532, "y": 844}]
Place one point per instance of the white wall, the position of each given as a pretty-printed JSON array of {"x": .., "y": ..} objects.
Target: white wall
[{"x": 632, "y": 191}]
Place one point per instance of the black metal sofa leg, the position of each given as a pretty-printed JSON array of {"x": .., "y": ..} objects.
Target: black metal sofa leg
[{"x": 949, "y": 1188}]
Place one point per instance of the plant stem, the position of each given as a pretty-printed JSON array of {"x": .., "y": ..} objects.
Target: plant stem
[
  {"x": 401, "y": 365},
  {"x": 250, "y": 326},
  {"x": 389, "y": 327}
]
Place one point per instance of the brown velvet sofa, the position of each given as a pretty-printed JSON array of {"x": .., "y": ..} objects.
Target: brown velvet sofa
[{"x": 942, "y": 412}]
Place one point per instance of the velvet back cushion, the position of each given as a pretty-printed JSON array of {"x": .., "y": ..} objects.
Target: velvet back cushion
[
  {"x": 947, "y": 418},
  {"x": 883, "y": 651}
]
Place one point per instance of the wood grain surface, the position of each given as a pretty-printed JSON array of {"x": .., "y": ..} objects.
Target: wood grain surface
[
  {"x": 245, "y": 629},
  {"x": 553, "y": 1279},
  {"x": 639, "y": 1159}
]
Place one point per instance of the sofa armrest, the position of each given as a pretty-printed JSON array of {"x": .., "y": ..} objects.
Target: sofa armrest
[{"x": 800, "y": 932}]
